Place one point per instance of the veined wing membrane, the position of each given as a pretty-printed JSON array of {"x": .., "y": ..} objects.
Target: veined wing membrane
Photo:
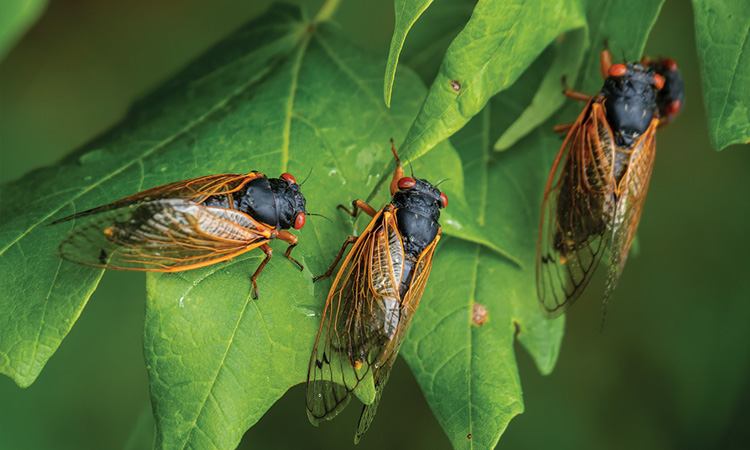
[
  {"x": 578, "y": 207},
  {"x": 630, "y": 201},
  {"x": 194, "y": 190},
  {"x": 388, "y": 356},
  {"x": 164, "y": 235}
]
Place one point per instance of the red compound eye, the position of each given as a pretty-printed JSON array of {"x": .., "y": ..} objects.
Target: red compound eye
[
  {"x": 617, "y": 70},
  {"x": 406, "y": 182},
  {"x": 673, "y": 108},
  {"x": 669, "y": 64},
  {"x": 658, "y": 81},
  {"x": 444, "y": 198},
  {"x": 299, "y": 221},
  {"x": 290, "y": 179}
]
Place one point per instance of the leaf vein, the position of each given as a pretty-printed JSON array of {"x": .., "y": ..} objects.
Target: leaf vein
[{"x": 717, "y": 128}]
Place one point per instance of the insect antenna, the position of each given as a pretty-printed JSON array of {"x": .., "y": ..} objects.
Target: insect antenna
[
  {"x": 308, "y": 176},
  {"x": 319, "y": 215}
]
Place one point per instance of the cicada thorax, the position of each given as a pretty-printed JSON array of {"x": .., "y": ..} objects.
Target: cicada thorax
[
  {"x": 410, "y": 226},
  {"x": 275, "y": 202},
  {"x": 417, "y": 214}
]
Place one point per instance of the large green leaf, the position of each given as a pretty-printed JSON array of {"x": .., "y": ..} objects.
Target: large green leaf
[
  {"x": 218, "y": 362},
  {"x": 548, "y": 97},
  {"x": 500, "y": 40},
  {"x": 432, "y": 34},
  {"x": 42, "y": 295},
  {"x": 538, "y": 88},
  {"x": 722, "y": 30},
  {"x": 468, "y": 372},
  {"x": 504, "y": 191},
  {"x": 282, "y": 95},
  {"x": 407, "y": 12},
  {"x": 17, "y": 16}
]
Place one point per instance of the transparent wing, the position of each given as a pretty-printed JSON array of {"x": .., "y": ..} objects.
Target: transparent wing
[
  {"x": 348, "y": 331},
  {"x": 578, "y": 207},
  {"x": 408, "y": 308},
  {"x": 165, "y": 235},
  {"x": 364, "y": 320},
  {"x": 194, "y": 190},
  {"x": 630, "y": 200}
]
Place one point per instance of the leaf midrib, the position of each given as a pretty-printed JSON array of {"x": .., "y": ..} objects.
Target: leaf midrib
[{"x": 285, "y": 158}]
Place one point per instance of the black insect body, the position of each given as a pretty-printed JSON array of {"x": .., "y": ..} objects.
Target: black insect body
[{"x": 276, "y": 202}]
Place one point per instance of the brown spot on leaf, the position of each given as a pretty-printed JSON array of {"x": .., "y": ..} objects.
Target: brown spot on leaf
[
  {"x": 468, "y": 436},
  {"x": 455, "y": 85},
  {"x": 478, "y": 314}
]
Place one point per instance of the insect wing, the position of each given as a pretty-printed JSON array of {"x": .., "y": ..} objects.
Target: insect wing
[
  {"x": 364, "y": 320},
  {"x": 408, "y": 308},
  {"x": 630, "y": 200},
  {"x": 578, "y": 206},
  {"x": 165, "y": 235},
  {"x": 343, "y": 342},
  {"x": 194, "y": 190}
]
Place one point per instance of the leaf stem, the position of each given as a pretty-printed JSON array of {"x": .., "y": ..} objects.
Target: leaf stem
[{"x": 327, "y": 10}]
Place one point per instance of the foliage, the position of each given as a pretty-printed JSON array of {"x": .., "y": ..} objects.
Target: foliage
[
  {"x": 17, "y": 16},
  {"x": 287, "y": 93},
  {"x": 722, "y": 29}
]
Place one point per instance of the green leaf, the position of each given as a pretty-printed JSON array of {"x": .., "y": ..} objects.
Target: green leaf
[
  {"x": 468, "y": 372},
  {"x": 17, "y": 17},
  {"x": 722, "y": 30},
  {"x": 500, "y": 40},
  {"x": 432, "y": 34},
  {"x": 179, "y": 132},
  {"x": 548, "y": 97},
  {"x": 407, "y": 12},
  {"x": 217, "y": 359}
]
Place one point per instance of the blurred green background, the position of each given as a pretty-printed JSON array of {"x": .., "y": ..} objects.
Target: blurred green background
[{"x": 671, "y": 370}]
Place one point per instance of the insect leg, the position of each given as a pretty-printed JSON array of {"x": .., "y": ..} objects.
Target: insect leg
[
  {"x": 269, "y": 254},
  {"x": 575, "y": 95},
  {"x": 347, "y": 242},
  {"x": 359, "y": 205},
  {"x": 563, "y": 128},
  {"x": 399, "y": 173},
  {"x": 286, "y": 236},
  {"x": 605, "y": 62}
]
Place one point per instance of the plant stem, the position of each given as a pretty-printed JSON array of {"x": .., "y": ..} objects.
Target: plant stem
[{"x": 327, "y": 10}]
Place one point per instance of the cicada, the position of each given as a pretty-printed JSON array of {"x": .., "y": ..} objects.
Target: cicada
[
  {"x": 597, "y": 186},
  {"x": 670, "y": 98},
  {"x": 189, "y": 224},
  {"x": 374, "y": 296}
]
